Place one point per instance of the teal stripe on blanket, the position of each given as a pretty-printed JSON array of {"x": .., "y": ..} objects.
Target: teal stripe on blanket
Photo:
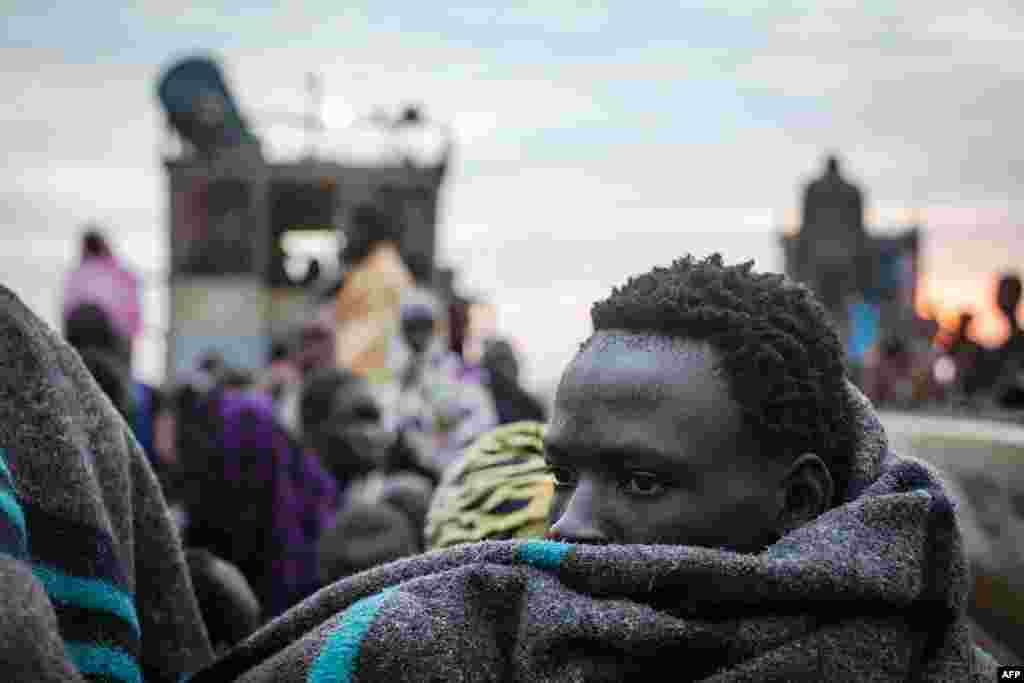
[
  {"x": 543, "y": 554},
  {"x": 4, "y": 472},
  {"x": 88, "y": 593},
  {"x": 96, "y": 659},
  {"x": 11, "y": 509},
  {"x": 336, "y": 663}
]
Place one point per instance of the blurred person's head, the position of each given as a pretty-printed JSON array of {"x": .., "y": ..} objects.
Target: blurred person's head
[
  {"x": 369, "y": 226},
  {"x": 341, "y": 421},
  {"x": 498, "y": 489},
  {"x": 212, "y": 363},
  {"x": 94, "y": 244},
  {"x": 499, "y": 357},
  {"x": 421, "y": 318},
  {"x": 365, "y": 534},
  {"x": 89, "y": 326},
  {"x": 1008, "y": 295},
  {"x": 894, "y": 347},
  {"x": 227, "y": 602},
  {"x": 709, "y": 408},
  {"x": 279, "y": 352}
]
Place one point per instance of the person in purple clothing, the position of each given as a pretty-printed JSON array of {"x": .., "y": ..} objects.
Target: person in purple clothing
[{"x": 255, "y": 497}]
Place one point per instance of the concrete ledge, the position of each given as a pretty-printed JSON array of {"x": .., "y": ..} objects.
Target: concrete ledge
[{"x": 953, "y": 427}]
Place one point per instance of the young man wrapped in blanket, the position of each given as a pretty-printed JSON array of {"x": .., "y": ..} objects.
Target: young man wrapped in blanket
[{"x": 726, "y": 508}]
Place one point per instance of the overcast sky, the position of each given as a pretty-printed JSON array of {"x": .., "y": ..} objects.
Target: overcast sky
[{"x": 594, "y": 142}]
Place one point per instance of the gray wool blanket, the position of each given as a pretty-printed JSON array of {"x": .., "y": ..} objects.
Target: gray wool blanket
[
  {"x": 93, "y": 582},
  {"x": 873, "y": 590}
]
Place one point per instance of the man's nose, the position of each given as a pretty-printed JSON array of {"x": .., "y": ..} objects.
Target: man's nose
[{"x": 579, "y": 521}]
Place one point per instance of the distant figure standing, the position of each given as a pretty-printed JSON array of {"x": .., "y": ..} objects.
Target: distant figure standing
[
  {"x": 442, "y": 407},
  {"x": 1008, "y": 297},
  {"x": 1009, "y": 382},
  {"x": 102, "y": 280},
  {"x": 894, "y": 383},
  {"x": 967, "y": 355},
  {"x": 369, "y": 301},
  {"x": 281, "y": 380}
]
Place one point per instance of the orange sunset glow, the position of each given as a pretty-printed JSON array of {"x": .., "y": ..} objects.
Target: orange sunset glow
[{"x": 947, "y": 298}]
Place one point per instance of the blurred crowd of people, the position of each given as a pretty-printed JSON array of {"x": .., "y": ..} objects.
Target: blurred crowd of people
[
  {"x": 325, "y": 462},
  {"x": 328, "y": 460},
  {"x": 268, "y": 523},
  {"x": 950, "y": 369}
]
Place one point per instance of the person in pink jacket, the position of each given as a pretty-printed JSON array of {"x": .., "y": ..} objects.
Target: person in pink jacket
[{"x": 102, "y": 280}]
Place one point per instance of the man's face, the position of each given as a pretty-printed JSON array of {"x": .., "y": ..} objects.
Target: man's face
[
  {"x": 647, "y": 447},
  {"x": 352, "y": 441}
]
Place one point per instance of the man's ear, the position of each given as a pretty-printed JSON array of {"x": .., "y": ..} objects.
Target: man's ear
[{"x": 806, "y": 492}]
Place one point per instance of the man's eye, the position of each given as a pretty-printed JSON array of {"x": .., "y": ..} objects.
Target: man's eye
[
  {"x": 642, "y": 484},
  {"x": 564, "y": 477}
]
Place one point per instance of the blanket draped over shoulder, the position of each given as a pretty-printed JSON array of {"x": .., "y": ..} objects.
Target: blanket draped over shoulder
[
  {"x": 93, "y": 581},
  {"x": 873, "y": 590}
]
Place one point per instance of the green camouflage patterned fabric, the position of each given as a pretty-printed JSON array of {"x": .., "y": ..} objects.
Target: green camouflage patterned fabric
[{"x": 498, "y": 489}]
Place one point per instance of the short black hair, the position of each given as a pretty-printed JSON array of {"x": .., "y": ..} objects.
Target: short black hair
[
  {"x": 94, "y": 243},
  {"x": 784, "y": 363}
]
